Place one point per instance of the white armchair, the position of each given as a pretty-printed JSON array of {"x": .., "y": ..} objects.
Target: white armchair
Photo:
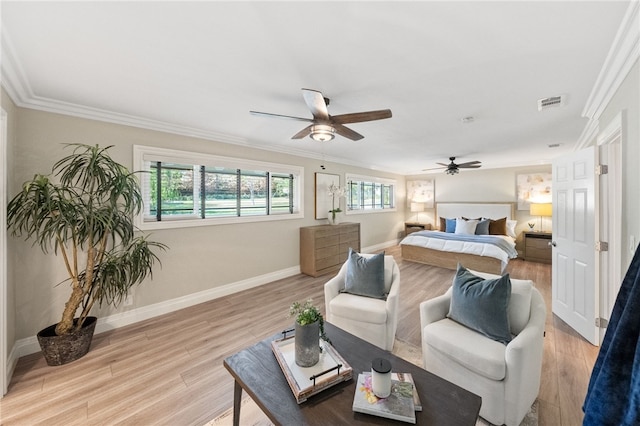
[
  {"x": 373, "y": 320},
  {"x": 506, "y": 377}
]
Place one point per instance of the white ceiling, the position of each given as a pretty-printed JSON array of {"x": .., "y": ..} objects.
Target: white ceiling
[{"x": 199, "y": 67}]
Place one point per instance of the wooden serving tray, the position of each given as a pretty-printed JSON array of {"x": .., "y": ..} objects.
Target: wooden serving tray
[{"x": 307, "y": 381}]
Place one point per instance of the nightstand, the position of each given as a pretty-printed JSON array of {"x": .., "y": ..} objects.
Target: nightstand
[
  {"x": 410, "y": 227},
  {"x": 537, "y": 247}
]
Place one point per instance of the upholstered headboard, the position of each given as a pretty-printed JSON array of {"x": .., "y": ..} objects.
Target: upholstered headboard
[{"x": 473, "y": 210}]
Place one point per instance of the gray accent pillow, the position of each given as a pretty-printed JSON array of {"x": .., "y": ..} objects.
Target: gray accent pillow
[
  {"x": 482, "y": 228},
  {"x": 365, "y": 275},
  {"x": 481, "y": 304}
]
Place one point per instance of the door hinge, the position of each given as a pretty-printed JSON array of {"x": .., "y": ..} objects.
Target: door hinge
[
  {"x": 601, "y": 323},
  {"x": 602, "y": 169},
  {"x": 602, "y": 246}
]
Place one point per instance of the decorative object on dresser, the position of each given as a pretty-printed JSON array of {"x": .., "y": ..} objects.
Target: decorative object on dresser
[
  {"x": 537, "y": 247},
  {"x": 324, "y": 248},
  {"x": 322, "y": 195}
]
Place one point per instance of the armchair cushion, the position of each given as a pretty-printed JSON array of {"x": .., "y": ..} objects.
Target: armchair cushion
[
  {"x": 353, "y": 307},
  {"x": 365, "y": 275},
  {"x": 481, "y": 304},
  {"x": 468, "y": 348}
]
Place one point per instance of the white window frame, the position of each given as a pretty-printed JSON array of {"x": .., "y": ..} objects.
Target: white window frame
[
  {"x": 144, "y": 154},
  {"x": 372, "y": 179}
]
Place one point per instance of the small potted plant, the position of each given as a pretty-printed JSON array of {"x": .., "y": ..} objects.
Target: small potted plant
[
  {"x": 309, "y": 328},
  {"x": 531, "y": 225}
]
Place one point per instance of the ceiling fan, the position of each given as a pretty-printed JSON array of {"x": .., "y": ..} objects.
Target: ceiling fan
[
  {"x": 324, "y": 126},
  {"x": 453, "y": 168}
]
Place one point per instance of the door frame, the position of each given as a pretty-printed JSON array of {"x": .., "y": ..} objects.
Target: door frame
[
  {"x": 4, "y": 379},
  {"x": 609, "y": 143}
]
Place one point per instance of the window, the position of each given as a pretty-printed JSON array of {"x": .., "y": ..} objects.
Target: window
[
  {"x": 190, "y": 189},
  {"x": 368, "y": 194}
]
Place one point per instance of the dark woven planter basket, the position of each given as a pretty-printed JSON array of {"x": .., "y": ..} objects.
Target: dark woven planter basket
[{"x": 59, "y": 350}]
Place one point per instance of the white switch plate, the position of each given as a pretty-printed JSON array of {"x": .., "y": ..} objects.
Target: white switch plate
[{"x": 632, "y": 244}]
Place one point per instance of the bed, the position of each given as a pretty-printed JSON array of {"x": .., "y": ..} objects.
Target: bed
[{"x": 486, "y": 253}]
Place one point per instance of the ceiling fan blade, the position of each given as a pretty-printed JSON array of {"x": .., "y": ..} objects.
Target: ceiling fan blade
[
  {"x": 288, "y": 117},
  {"x": 359, "y": 117},
  {"x": 347, "y": 132},
  {"x": 303, "y": 133},
  {"x": 443, "y": 165},
  {"x": 434, "y": 168},
  {"x": 316, "y": 103},
  {"x": 469, "y": 166},
  {"x": 468, "y": 163}
]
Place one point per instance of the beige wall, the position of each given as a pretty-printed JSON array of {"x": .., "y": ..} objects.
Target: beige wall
[
  {"x": 199, "y": 258},
  {"x": 627, "y": 101},
  {"x": 480, "y": 186}
]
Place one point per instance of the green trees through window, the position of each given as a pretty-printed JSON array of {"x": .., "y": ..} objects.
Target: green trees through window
[{"x": 207, "y": 192}]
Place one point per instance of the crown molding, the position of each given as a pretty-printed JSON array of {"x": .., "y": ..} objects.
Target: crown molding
[
  {"x": 14, "y": 81},
  {"x": 623, "y": 54}
]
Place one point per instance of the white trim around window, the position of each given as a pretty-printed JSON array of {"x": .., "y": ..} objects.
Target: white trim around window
[
  {"x": 389, "y": 183},
  {"x": 144, "y": 155}
]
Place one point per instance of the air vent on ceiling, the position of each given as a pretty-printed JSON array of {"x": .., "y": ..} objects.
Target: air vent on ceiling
[{"x": 553, "y": 101}]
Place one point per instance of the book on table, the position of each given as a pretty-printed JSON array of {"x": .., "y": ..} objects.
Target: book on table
[
  {"x": 398, "y": 405},
  {"x": 407, "y": 377}
]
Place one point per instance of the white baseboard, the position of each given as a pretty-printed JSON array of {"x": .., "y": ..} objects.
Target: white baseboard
[
  {"x": 30, "y": 345},
  {"x": 381, "y": 246}
]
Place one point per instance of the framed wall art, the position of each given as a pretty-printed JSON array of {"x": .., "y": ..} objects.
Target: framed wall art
[
  {"x": 420, "y": 191},
  {"x": 534, "y": 187}
]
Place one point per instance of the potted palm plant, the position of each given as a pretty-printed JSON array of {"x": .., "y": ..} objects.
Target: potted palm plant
[{"x": 83, "y": 212}]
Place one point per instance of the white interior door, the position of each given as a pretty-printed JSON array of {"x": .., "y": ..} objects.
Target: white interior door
[{"x": 575, "y": 283}]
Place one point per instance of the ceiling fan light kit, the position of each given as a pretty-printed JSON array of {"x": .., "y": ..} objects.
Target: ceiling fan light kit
[
  {"x": 322, "y": 133},
  {"x": 323, "y": 126}
]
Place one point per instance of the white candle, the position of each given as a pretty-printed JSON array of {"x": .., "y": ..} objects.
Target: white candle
[{"x": 381, "y": 377}]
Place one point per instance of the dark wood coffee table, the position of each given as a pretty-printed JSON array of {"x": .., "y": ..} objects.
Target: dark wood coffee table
[{"x": 256, "y": 370}]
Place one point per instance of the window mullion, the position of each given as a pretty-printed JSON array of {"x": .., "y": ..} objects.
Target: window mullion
[
  {"x": 159, "y": 191},
  {"x": 238, "y": 192},
  {"x": 203, "y": 201}
]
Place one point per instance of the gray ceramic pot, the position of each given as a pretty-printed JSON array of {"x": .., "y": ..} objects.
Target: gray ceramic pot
[{"x": 307, "y": 342}]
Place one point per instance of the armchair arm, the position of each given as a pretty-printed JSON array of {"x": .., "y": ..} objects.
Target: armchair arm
[
  {"x": 523, "y": 357},
  {"x": 435, "y": 309},
  {"x": 332, "y": 288},
  {"x": 393, "y": 298}
]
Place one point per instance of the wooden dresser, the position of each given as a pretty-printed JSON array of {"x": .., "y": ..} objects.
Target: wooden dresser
[{"x": 324, "y": 248}]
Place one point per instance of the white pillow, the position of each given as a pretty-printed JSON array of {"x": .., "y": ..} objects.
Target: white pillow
[
  {"x": 466, "y": 227},
  {"x": 511, "y": 228}
]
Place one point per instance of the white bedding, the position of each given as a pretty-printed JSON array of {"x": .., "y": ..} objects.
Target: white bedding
[{"x": 477, "y": 248}]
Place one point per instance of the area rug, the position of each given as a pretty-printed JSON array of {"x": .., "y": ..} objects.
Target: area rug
[{"x": 252, "y": 415}]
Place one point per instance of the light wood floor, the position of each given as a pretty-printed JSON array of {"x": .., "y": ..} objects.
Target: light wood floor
[{"x": 168, "y": 370}]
